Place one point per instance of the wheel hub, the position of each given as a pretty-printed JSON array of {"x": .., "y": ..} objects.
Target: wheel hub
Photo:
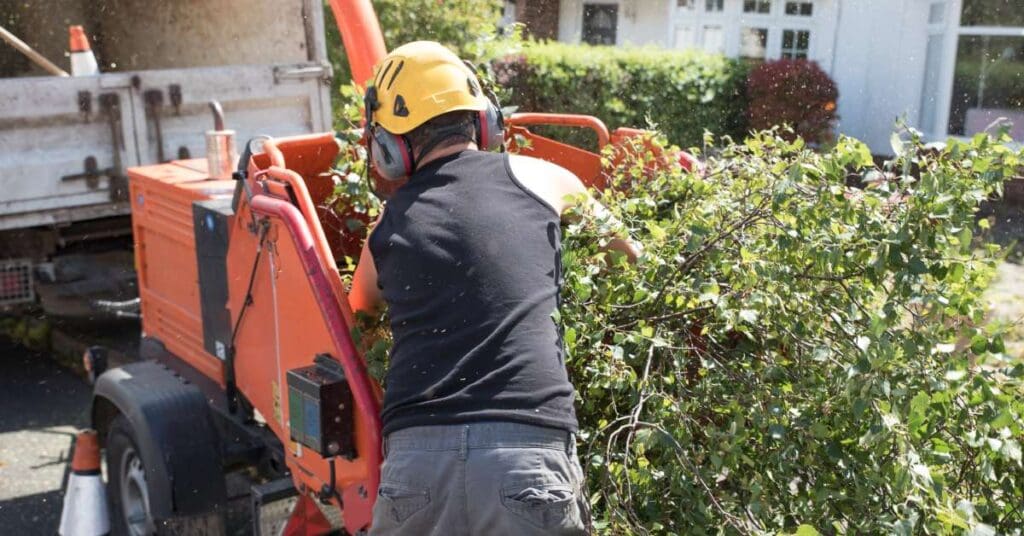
[{"x": 135, "y": 495}]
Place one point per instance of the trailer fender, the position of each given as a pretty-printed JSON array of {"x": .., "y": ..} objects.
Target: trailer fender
[{"x": 179, "y": 442}]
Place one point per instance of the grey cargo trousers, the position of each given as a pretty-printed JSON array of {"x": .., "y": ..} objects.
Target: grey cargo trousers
[{"x": 486, "y": 478}]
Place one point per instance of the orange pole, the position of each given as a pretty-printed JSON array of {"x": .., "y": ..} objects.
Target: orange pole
[{"x": 361, "y": 35}]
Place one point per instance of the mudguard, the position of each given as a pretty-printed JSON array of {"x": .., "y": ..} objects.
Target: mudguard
[{"x": 179, "y": 443}]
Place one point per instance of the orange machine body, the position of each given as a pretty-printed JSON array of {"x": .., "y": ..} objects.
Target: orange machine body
[
  {"x": 165, "y": 255},
  {"x": 285, "y": 296}
]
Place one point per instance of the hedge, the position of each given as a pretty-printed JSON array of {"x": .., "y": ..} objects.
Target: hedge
[
  {"x": 791, "y": 356},
  {"x": 684, "y": 93}
]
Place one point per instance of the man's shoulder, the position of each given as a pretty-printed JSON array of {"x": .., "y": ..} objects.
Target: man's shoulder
[{"x": 536, "y": 165}]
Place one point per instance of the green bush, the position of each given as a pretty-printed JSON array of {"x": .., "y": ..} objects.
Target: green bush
[
  {"x": 793, "y": 355},
  {"x": 683, "y": 93}
]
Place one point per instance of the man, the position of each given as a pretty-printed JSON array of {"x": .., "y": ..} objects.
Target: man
[{"x": 478, "y": 410}]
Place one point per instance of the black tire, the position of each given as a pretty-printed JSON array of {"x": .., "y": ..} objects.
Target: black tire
[
  {"x": 124, "y": 461},
  {"x": 130, "y": 499}
]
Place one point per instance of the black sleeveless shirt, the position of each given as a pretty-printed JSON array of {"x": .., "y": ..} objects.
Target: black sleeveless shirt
[{"x": 469, "y": 263}]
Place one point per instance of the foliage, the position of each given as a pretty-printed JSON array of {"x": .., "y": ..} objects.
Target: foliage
[
  {"x": 683, "y": 93},
  {"x": 793, "y": 92},
  {"x": 793, "y": 355}
]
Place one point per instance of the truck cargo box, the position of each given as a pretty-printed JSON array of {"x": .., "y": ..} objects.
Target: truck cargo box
[{"x": 65, "y": 142}]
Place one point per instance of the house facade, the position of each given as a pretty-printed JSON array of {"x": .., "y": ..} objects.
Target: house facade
[{"x": 946, "y": 67}]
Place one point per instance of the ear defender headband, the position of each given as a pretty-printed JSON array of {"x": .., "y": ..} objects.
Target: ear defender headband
[
  {"x": 490, "y": 123},
  {"x": 392, "y": 154}
]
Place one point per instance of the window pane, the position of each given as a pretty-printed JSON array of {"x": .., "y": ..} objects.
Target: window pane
[
  {"x": 795, "y": 43},
  {"x": 753, "y": 42},
  {"x": 714, "y": 5},
  {"x": 599, "y": 23},
  {"x": 685, "y": 3},
  {"x": 803, "y": 9},
  {"x": 757, "y": 6},
  {"x": 988, "y": 83},
  {"x": 992, "y": 13},
  {"x": 714, "y": 39},
  {"x": 684, "y": 37}
]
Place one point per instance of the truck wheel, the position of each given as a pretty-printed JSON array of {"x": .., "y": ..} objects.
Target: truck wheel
[{"x": 130, "y": 512}]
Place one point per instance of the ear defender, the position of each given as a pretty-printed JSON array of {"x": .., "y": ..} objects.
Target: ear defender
[
  {"x": 490, "y": 128},
  {"x": 390, "y": 155}
]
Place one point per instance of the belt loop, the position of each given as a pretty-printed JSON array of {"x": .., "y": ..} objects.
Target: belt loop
[
  {"x": 464, "y": 442},
  {"x": 384, "y": 447},
  {"x": 570, "y": 443}
]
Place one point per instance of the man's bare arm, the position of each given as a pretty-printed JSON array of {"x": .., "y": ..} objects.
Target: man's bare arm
[
  {"x": 365, "y": 295},
  {"x": 561, "y": 189}
]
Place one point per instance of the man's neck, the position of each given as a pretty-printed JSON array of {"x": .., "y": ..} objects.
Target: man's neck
[{"x": 442, "y": 152}]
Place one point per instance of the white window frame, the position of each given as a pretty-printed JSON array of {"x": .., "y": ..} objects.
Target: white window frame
[
  {"x": 820, "y": 24},
  {"x": 951, "y": 31}
]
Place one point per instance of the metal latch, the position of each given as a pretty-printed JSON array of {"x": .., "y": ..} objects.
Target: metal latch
[
  {"x": 91, "y": 173},
  {"x": 110, "y": 103},
  {"x": 299, "y": 73}
]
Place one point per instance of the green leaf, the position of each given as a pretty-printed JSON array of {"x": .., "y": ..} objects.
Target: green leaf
[
  {"x": 748, "y": 315},
  {"x": 657, "y": 233},
  {"x": 709, "y": 292},
  {"x": 896, "y": 143},
  {"x": 806, "y": 530}
]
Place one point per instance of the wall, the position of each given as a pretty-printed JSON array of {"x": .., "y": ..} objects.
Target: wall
[
  {"x": 879, "y": 66},
  {"x": 641, "y": 22},
  {"x": 140, "y": 34}
]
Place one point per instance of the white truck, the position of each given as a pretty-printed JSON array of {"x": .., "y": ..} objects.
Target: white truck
[{"x": 65, "y": 237}]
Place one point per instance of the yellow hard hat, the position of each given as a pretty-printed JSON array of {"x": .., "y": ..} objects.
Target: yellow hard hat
[{"x": 419, "y": 81}]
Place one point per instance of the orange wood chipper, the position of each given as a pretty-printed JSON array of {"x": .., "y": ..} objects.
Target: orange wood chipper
[{"x": 252, "y": 405}]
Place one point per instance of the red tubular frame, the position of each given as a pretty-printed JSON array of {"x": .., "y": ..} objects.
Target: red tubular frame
[
  {"x": 355, "y": 368},
  {"x": 564, "y": 120}
]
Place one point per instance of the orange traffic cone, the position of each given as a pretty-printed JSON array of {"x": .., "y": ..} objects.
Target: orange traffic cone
[
  {"x": 85, "y": 502},
  {"x": 83, "y": 61}
]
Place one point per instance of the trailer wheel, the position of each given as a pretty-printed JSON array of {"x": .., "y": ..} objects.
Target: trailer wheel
[{"x": 130, "y": 506}]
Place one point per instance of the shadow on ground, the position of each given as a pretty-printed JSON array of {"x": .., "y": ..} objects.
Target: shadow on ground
[{"x": 41, "y": 407}]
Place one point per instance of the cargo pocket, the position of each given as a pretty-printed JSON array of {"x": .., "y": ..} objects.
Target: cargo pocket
[
  {"x": 401, "y": 500},
  {"x": 544, "y": 503}
]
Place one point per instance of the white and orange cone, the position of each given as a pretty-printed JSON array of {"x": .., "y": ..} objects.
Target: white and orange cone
[
  {"x": 85, "y": 502},
  {"x": 83, "y": 61}
]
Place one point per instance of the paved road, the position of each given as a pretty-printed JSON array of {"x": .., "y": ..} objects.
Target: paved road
[{"x": 41, "y": 407}]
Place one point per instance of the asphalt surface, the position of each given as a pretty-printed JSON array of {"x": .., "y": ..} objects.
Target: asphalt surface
[{"x": 41, "y": 407}]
